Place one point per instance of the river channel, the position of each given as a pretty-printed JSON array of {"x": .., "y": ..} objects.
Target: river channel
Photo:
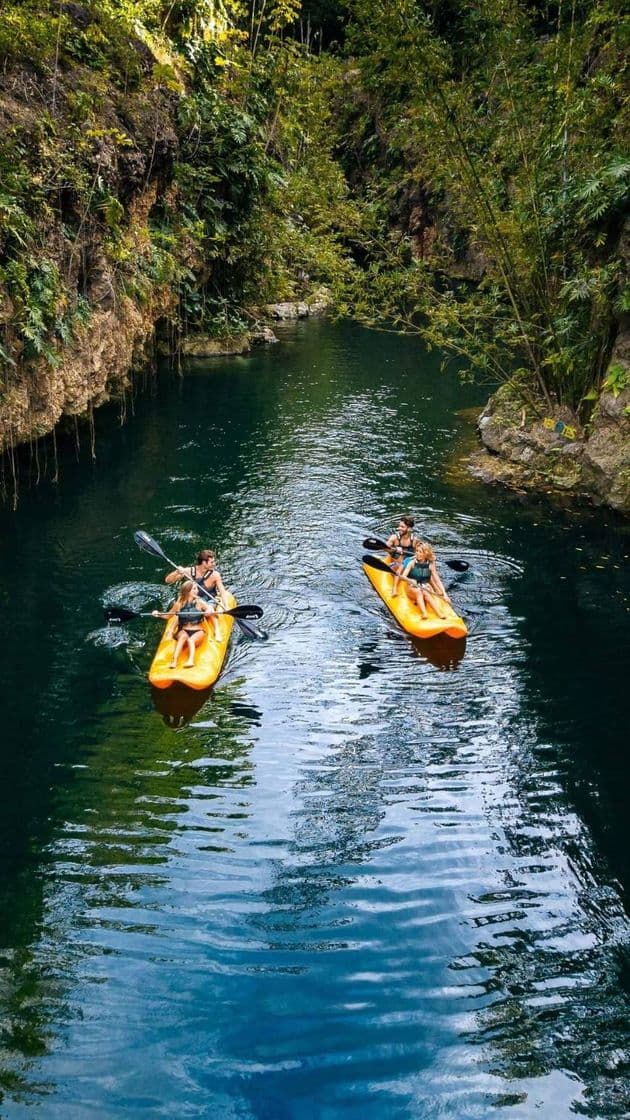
[{"x": 365, "y": 877}]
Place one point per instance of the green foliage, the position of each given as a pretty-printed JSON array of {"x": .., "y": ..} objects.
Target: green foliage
[
  {"x": 452, "y": 140},
  {"x": 512, "y": 148},
  {"x": 42, "y": 315},
  {"x": 617, "y": 379}
]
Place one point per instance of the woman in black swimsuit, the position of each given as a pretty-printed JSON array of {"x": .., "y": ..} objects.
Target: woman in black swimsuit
[{"x": 190, "y": 611}]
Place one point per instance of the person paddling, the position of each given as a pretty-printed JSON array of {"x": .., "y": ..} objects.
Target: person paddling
[
  {"x": 428, "y": 588},
  {"x": 403, "y": 542},
  {"x": 191, "y": 611},
  {"x": 205, "y": 572}
]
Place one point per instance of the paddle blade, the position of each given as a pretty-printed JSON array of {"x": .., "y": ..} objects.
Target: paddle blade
[
  {"x": 147, "y": 544},
  {"x": 376, "y": 543},
  {"x": 250, "y": 630},
  {"x": 457, "y": 565},
  {"x": 374, "y": 562},
  {"x": 119, "y": 614},
  {"x": 245, "y": 611}
]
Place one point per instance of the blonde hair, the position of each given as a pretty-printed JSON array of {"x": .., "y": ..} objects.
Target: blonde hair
[
  {"x": 184, "y": 590},
  {"x": 424, "y": 553}
]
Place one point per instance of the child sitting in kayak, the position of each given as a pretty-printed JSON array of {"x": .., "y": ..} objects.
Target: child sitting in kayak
[
  {"x": 422, "y": 569},
  {"x": 190, "y": 610}
]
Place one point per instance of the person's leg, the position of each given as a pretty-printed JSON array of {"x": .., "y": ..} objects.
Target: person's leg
[
  {"x": 194, "y": 640},
  {"x": 214, "y": 619},
  {"x": 397, "y": 570},
  {"x": 440, "y": 590},
  {"x": 423, "y": 602},
  {"x": 418, "y": 597},
  {"x": 180, "y": 642},
  {"x": 437, "y": 602}
]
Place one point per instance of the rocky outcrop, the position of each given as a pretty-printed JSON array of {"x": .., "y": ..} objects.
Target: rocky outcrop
[
  {"x": 207, "y": 346},
  {"x": 203, "y": 346},
  {"x": 316, "y": 304},
  {"x": 554, "y": 454}
]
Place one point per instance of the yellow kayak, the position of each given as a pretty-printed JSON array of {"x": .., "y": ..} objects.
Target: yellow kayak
[
  {"x": 408, "y": 614},
  {"x": 209, "y": 656}
]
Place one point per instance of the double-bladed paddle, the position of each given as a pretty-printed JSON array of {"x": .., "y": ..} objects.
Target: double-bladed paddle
[
  {"x": 148, "y": 544},
  {"x": 377, "y": 545},
  {"x": 125, "y": 614}
]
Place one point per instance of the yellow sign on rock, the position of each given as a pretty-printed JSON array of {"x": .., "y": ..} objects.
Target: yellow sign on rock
[{"x": 560, "y": 427}]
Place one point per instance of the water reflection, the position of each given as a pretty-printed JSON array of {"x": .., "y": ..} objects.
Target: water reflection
[
  {"x": 121, "y": 822},
  {"x": 177, "y": 705},
  {"x": 442, "y": 652}
]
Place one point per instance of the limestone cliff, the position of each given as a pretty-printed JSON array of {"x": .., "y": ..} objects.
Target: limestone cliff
[{"x": 85, "y": 159}]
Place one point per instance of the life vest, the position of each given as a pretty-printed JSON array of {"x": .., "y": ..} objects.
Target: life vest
[
  {"x": 408, "y": 549},
  {"x": 189, "y": 615},
  {"x": 421, "y": 571},
  {"x": 208, "y": 592}
]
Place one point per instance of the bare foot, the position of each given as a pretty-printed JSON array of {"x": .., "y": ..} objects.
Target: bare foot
[
  {"x": 189, "y": 665},
  {"x": 173, "y": 665}
]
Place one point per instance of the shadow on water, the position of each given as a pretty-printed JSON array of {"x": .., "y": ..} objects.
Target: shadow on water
[
  {"x": 177, "y": 705},
  {"x": 441, "y": 651}
]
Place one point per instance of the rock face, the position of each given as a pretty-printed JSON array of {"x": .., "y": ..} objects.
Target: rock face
[
  {"x": 98, "y": 362},
  {"x": 202, "y": 346},
  {"x": 97, "y": 366},
  {"x": 95, "y": 252},
  {"x": 525, "y": 452}
]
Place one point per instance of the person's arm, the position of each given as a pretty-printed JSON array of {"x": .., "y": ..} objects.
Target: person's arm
[
  {"x": 392, "y": 543},
  {"x": 219, "y": 589},
  {"x": 177, "y": 574},
  {"x": 169, "y": 613},
  {"x": 436, "y": 582},
  {"x": 407, "y": 568}
]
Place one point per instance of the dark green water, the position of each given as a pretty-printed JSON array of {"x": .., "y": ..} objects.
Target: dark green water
[{"x": 366, "y": 878}]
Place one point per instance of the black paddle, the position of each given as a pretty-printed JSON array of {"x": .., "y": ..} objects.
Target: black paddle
[
  {"x": 147, "y": 544},
  {"x": 381, "y": 546},
  {"x": 125, "y": 614}
]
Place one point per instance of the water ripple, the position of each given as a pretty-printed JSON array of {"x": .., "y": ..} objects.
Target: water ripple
[{"x": 354, "y": 880}]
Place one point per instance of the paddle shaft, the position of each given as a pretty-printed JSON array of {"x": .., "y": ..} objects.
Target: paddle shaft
[{"x": 125, "y": 614}]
